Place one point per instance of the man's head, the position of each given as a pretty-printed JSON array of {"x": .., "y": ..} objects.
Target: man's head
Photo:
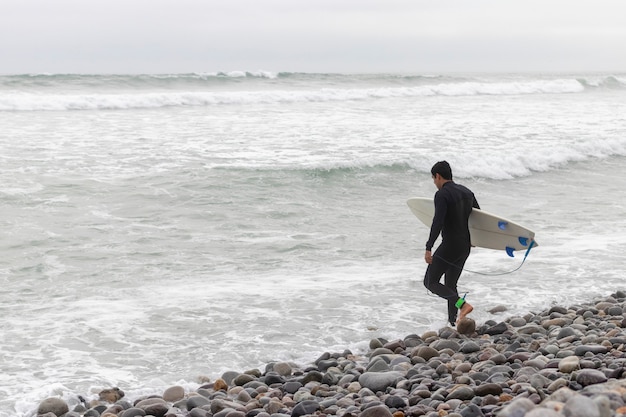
[{"x": 441, "y": 173}]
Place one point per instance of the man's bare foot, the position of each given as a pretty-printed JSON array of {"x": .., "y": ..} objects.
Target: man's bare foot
[{"x": 466, "y": 308}]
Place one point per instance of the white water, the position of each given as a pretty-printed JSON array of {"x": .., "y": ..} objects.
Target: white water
[{"x": 146, "y": 244}]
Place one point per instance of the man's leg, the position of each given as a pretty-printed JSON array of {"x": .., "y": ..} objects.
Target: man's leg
[
  {"x": 432, "y": 279},
  {"x": 451, "y": 279}
]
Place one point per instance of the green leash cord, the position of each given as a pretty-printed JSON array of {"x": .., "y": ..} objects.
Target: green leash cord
[{"x": 460, "y": 301}]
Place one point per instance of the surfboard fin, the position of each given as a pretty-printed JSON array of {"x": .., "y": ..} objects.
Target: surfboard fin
[
  {"x": 523, "y": 240},
  {"x": 502, "y": 224},
  {"x": 509, "y": 251}
]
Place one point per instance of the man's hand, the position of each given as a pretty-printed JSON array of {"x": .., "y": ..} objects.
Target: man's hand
[{"x": 428, "y": 257}]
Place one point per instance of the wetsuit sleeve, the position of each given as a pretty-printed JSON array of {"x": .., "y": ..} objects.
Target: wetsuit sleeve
[
  {"x": 475, "y": 203},
  {"x": 441, "y": 207}
]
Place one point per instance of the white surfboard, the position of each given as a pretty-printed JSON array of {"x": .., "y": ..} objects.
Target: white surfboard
[{"x": 486, "y": 230}]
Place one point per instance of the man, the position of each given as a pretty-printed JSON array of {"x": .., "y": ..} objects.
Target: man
[{"x": 453, "y": 205}]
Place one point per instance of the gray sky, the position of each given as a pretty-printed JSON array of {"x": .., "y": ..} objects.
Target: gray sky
[{"x": 415, "y": 36}]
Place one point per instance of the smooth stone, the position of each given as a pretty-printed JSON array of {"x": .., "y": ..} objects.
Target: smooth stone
[
  {"x": 470, "y": 347},
  {"x": 380, "y": 351},
  {"x": 531, "y": 329},
  {"x": 197, "y": 401},
  {"x": 558, "y": 322},
  {"x": 395, "y": 344},
  {"x": 517, "y": 322},
  {"x": 497, "y": 329},
  {"x": 379, "y": 381},
  {"x": 173, "y": 394},
  {"x": 483, "y": 390},
  {"x": 603, "y": 305},
  {"x": 303, "y": 395},
  {"x": 220, "y": 405},
  {"x": 429, "y": 334},
  {"x": 499, "y": 359},
  {"x": 543, "y": 412},
  {"x": 569, "y": 364},
  {"x": 243, "y": 379},
  {"x": 595, "y": 349},
  {"x": 229, "y": 376},
  {"x": 463, "y": 367},
  {"x": 198, "y": 412},
  {"x": 398, "y": 360},
  {"x": 446, "y": 344},
  {"x": 378, "y": 366},
  {"x": 274, "y": 407},
  {"x": 269, "y": 379},
  {"x": 498, "y": 378},
  {"x": 521, "y": 356},
  {"x": 517, "y": 408},
  {"x": 471, "y": 410},
  {"x": 462, "y": 392},
  {"x": 590, "y": 376},
  {"x": 394, "y": 401},
  {"x": 581, "y": 406},
  {"x": 374, "y": 344},
  {"x": 539, "y": 381},
  {"x": 565, "y": 332},
  {"x": 283, "y": 368},
  {"x": 244, "y": 397},
  {"x": 504, "y": 369},
  {"x": 466, "y": 326},
  {"x": 133, "y": 412},
  {"x": 374, "y": 411},
  {"x": 557, "y": 384},
  {"x": 354, "y": 387},
  {"x": 536, "y": 363},
  {"x": 305, "y": 407},
  {"x": 551, "y": 349},
  {"x": 153, "y": 406},
  {"x": 111, "y": 395},
  {"x": 313, "y": 376},
  {"x": 604, "y": 406},
  {"x": 426, "y": 352},
  {"x": 448, "y": 333},
  {"x": 53, "y": 405},
  {"x": 564, "y": 353},
  {"x": 292, "y": 387}
]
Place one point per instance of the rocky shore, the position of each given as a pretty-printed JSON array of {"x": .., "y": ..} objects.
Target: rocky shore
[{"x": 563, "y": 361}]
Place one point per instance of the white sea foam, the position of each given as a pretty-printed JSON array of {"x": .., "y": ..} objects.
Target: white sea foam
[
  {"x": 22, "y": 101},
  {"x": 156, "y": 245}
]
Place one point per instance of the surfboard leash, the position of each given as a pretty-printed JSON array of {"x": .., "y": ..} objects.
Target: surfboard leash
[{"x": 532, "y": 244}]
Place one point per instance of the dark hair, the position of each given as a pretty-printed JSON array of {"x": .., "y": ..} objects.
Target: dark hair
[{"x": 442, "y": 168}]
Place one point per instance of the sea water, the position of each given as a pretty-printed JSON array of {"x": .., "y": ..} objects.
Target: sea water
[{"x": 162, "y": 229}]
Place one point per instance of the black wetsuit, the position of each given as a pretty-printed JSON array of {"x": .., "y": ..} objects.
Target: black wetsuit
[{"x": 453, "y": 205}]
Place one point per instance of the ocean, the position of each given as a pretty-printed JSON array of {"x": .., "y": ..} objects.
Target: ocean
[{"x": 162, "y": 229}]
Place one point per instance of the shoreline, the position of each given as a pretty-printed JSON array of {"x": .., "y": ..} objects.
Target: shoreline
[{"x": 561, "y": 361}]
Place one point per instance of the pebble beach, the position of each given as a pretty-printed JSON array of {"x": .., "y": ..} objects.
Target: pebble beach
[{"x": 562, "y": 361}]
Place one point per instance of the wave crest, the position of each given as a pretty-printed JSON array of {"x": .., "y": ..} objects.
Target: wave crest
[{"x": 27, "y": 101}]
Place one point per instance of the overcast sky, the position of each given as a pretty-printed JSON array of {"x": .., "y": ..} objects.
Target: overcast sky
[{"x": 414, "y": 36}]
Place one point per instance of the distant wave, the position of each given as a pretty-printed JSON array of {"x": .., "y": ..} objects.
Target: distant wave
[
  {"x": 489, "y": 165},
  {"x": 27, "y": 101},
  {"x": 60, "y": 92},
  {"x": 607, "y": 82}
]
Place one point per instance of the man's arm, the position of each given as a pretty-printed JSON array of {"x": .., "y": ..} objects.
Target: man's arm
[{"x": 440, "y": 214}]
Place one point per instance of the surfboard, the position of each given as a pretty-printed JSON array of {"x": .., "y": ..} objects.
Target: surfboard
[{"x": 486, "y": 230}]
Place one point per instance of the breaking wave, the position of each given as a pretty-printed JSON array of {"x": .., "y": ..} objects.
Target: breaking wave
[{"x": 50, "y": 92}]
